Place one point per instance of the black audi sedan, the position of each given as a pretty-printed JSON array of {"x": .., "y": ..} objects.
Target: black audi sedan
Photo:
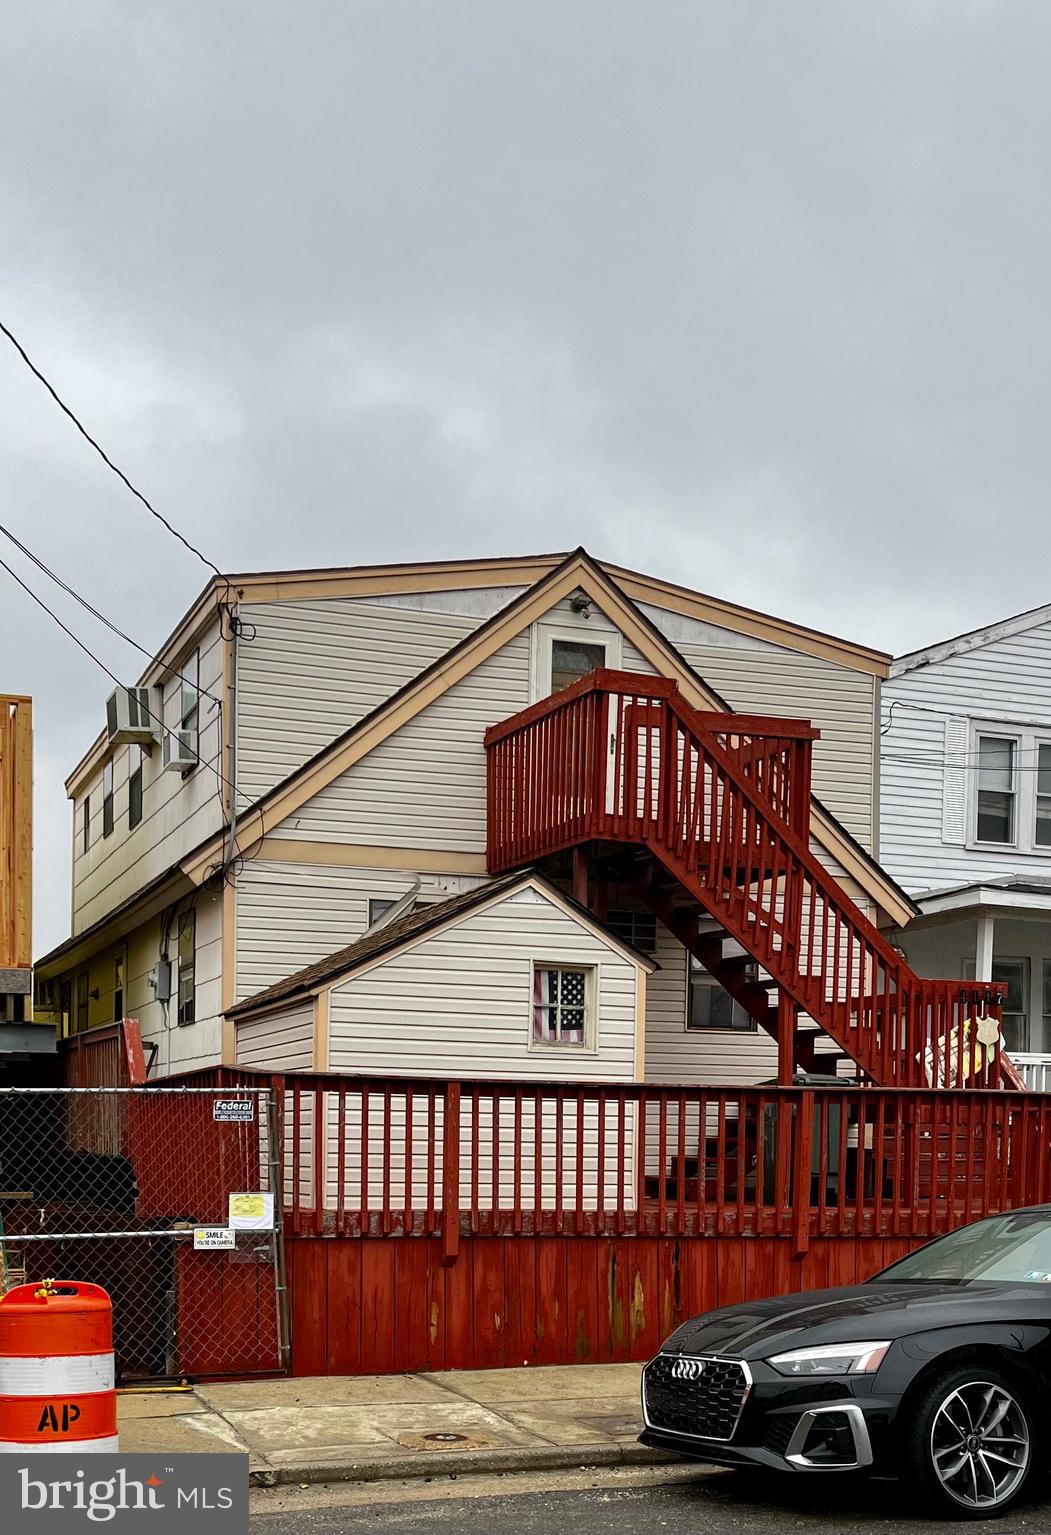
[{"x": 938, "y": 1370}]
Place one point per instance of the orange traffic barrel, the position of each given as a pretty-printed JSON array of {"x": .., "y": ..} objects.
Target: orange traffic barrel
[{"x": 56, "y": 1370}]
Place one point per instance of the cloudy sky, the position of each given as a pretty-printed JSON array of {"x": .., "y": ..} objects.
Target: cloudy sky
[{"x": 752, "y": 295}]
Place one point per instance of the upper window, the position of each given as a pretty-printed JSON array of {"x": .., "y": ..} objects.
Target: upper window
[
  {"x": 86, "y": 829},
  {"x": 1011, "y": 789},
  {"x": 573, "y": 659},
  {"x": 562, "y": 1005},
  {"x": 562, "y": 655},
  {"x": 190, "y": 697},
  {"x": 708, "y": 1006},
  {"x": 187, "y": 967},
  {"x": 107, "y": 798},
  {"x": 995, "y": 805},
  {"x": 136, "y": 757}
]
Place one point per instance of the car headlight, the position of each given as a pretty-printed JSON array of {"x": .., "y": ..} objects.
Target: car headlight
[{"x": 832, "y": 1359}]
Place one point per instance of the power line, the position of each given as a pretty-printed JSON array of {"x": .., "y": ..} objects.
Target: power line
[
  {"x": 239, "y": 856},
  {"x": 31, "y": 365},
  {"x": 84, "y": 603}
]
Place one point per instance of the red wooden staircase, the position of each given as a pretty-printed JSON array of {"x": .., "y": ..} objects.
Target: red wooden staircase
[{"x": 707, "y": 817}]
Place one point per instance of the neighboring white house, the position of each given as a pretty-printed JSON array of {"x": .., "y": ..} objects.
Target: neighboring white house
[
  {"x": 965, "y": 820},
  {"x": 349, "y": 708}
]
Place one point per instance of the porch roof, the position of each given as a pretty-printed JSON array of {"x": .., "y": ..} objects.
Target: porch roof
[{"x": 1011, "y": 893}]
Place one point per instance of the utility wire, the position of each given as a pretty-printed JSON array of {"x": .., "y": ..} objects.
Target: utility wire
[
  {"x": 239, "y": 856},
  {"x": 31, "y": 365},
  {"x": 84, "y": 603}
]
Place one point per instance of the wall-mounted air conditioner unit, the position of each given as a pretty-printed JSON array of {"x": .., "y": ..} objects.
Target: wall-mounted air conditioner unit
[
  {"x": 132, "y": 717},
  {"x": 180, "y": 751}
]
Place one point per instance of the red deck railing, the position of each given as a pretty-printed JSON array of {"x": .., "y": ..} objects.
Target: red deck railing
[
  {"x": 432, "y": 1157},
  {"x": 723, "y": 802}
]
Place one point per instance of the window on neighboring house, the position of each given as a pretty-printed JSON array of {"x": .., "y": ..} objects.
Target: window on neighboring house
[
  {"x": 573, "y": 659},
  {"x": 379, "y": 906},
  {"x": 995, "y": 819},
  {"x": 65, "y": 1008},
  {"x": 136, "y": 757},
  {"x": 189, "y": 698},
  {"x": 639, "y": 928},
  {"x": 187, "y": 966},
  {"x": 86, "y": 832},
  {"x": 1042, "y": 824},
  {"x": 118, "y": 985},
  {"x": 708, "y": 1006},
  {"x": 1014, "y": 974},
  {"x": 1044, "y": 1042},
  {"x": 107, "y": 798},
  {"x": 80, "y": 1021},
  {"x": 562, "y": 1005}
]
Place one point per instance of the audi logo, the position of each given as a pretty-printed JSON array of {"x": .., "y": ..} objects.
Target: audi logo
[{"x": 687, "y": 1369}]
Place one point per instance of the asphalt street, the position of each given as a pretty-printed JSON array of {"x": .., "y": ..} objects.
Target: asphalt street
[{"x": 630, "y": 1503}]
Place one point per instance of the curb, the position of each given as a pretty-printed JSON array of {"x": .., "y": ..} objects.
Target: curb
[{"x": 433, "y": 1463}]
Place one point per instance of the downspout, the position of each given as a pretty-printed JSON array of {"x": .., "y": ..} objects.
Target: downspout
[{"x": 232, "y": 740}]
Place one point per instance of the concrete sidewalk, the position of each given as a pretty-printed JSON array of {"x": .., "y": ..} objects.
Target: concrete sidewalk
[{"x": 362, "y": 1428}]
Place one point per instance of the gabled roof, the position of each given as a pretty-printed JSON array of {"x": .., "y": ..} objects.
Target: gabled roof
[
  {"x": 416, "y": 924},
  {"x": 578, "y": 571},
  {"x": 974, "y": 639}
]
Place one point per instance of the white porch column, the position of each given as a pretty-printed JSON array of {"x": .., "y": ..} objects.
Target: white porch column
[{"x": 983, "y": 954}]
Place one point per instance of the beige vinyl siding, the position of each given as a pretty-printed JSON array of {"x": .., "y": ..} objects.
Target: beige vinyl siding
[
  {"x": 290, "y": 915},
  {"x": 314, "y": 668},
  {"x": 279, "y": 1042},
  {"x": 177, "y": 813},
  {"x": 460, "y": 1001},
  {"x": 425, "y": 785},
  {"x": 681, "y": 1056}
]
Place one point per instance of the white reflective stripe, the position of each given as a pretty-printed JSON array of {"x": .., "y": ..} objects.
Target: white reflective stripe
[
  {"x": 67, "y": 1447},
  {"x": 61, "y": 1374}
]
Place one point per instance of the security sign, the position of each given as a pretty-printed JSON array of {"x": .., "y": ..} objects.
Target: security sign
[
  {"x": 211, "y": 1239},
  {"x": 234, "y": 1111}
]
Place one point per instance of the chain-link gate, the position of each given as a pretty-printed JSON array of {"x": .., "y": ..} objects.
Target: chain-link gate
[{"x": 170, "y": 1198}]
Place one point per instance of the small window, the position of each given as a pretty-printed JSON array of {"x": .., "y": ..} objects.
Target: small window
[
  {"x": 187, "y": 966},
  {"x": 573, "y": 659},
  {"x": 708, "y": 1006},
  {"x": 996, "y": 789},
  {"x": 136, "y": 757},
  {"x": 561, "y": 1005},
  {"x": 1042, "y": 828},
  {"x": 118, "y": 986},
  {"x": 190, "y": 698},
  {"x": 80, "y": 1022},
  {"x": 639, "y": 928},
  {"x": 86, "y": 832},
  {"x": 107, "y": 798},
  {"x": 379, "y": 906}
]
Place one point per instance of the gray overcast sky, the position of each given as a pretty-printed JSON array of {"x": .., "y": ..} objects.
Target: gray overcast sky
[{"x": 750, "y": 295}]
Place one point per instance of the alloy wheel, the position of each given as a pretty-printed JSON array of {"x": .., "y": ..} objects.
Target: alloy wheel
[{"x": 980, "y": 1444}]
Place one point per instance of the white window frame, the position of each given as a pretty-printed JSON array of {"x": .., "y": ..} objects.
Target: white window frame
[
  {"x": 751, "y": 1027},
  {"x": 1027, "y": 968},
  {"x": 182, "y": 920},
  {"x": 591, "y": 990},
  {"x": 1026, "y": 739},
  {"x": 544, "y": 636},
  {"x": 188, "y": 702}
]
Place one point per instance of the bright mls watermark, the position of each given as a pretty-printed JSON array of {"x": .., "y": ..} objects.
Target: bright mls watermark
[{"x": 144, "y": 1493}]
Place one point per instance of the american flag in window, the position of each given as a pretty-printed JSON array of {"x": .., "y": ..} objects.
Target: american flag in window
[{"x": 559, "y": 1006}]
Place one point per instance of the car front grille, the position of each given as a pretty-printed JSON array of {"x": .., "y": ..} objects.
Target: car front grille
[{"x": 700, "y": 1397}]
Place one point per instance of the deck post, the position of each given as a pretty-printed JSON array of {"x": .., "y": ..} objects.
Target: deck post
[
  {"x": 786, "y": 1039},
  {"x": 451, "y": 1176}
]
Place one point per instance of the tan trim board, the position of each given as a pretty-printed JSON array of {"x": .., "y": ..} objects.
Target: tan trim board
[
  {"x": 321, "y": 1029},
  {"x": 640, "y": 1025},
  {"x": 764, "y": 626},
  {"x": 391, "y": 580},
  {"x": 361, "y": 855}
]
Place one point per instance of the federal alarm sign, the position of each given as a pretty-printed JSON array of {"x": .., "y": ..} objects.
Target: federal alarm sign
[{"x": 234, "y": 1111}]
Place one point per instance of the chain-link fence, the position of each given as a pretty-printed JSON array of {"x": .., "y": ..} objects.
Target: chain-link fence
[{"x": 170, "y": 1199}]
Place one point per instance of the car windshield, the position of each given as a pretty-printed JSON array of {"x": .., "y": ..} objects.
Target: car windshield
[{"x": 1004, "y": 1248}]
